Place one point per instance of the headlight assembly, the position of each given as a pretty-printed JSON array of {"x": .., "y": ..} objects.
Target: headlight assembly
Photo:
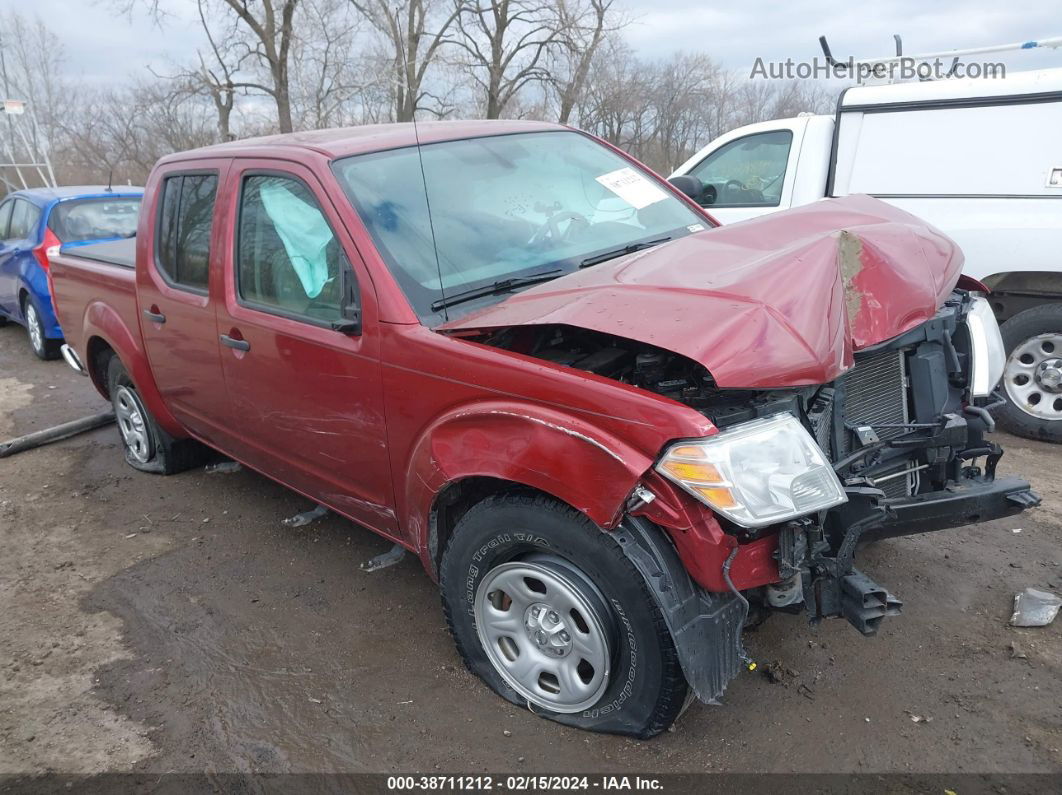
[
  {"x": 987, "y": 355},
  {"x": 757, "y": 473}
]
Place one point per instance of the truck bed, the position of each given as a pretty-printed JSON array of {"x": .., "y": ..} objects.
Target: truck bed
[
  {"x": 113, "y": 252},
  {"x": 94, "y": 286}
]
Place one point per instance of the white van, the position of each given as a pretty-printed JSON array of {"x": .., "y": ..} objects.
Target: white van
[{"x": 979, "y": 159}]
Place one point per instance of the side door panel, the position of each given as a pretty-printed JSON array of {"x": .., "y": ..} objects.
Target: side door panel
[
  {"x": 177, "y": 320},
  {"x": 306, "y": 399}
]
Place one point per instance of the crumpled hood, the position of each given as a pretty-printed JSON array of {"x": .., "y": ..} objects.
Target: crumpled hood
[{"x": 782, "y": 300}]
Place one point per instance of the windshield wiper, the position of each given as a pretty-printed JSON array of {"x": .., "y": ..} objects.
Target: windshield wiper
[
  {"x": 619, "y": 252},
  {"x": 500, "y": 286}
]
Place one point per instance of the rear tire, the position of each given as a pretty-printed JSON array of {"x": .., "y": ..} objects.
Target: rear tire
[
  {"x": 42, "y": 347},
  {"x": 148, "y": 447},
  {"x": 1033, "y": 341},
  {"x": 545, "y": 608}
]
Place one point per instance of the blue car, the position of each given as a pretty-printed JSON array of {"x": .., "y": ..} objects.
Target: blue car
[{"x": 34, "y": 223}]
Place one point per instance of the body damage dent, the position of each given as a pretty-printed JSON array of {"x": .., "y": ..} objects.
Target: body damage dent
[{"x": 779, "y": 301}]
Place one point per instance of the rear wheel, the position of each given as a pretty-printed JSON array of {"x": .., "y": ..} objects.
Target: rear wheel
[
  {"x": 148, "y": 447},
  {"x": 545, "y": 607},
  {"x": 1032, "y": 378},
  {"x": 43, "y": 347}
]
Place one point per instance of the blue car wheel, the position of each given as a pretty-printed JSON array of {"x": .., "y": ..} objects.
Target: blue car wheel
[{"x": 43, "y": 347}]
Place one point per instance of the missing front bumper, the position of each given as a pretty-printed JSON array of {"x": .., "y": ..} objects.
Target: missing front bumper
[
  {"x": 971, "y": 501},
  {"x": 825, "y": 562}
]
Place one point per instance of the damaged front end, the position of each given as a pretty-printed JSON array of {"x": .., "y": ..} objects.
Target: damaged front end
[
  {"x": 867, "y": 408},
  {"x": 905, "y": 429}
]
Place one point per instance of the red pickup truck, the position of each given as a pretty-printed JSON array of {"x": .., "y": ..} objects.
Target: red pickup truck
[{"x": 613, "y": 433}]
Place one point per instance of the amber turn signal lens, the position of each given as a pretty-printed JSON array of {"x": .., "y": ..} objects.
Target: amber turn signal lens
[
  {"x": 702, "y": 472},
  {"x": 717, "y": 497},
  {"x": 687, "y": 451}
]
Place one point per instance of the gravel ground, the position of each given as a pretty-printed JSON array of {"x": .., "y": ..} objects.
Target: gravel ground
[{"x": 174, "y": 624}]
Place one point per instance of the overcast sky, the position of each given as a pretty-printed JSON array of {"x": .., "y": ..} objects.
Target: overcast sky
[{"x": 103, "y": 46}]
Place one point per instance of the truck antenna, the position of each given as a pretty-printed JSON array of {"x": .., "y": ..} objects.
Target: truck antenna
[{"x": 431, "y": 225}]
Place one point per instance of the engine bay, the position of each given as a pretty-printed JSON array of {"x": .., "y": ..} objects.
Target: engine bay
[{"x": 645, "y": 366}]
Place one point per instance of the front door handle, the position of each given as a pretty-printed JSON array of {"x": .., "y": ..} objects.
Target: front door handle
[
  {"x": 154, "y": 317},
  {"x": 232, "y": 342}
]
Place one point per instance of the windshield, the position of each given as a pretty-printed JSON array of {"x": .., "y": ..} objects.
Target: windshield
[
  {"x": 503, "y": 207},
  {"x": 94, "y": 219}
]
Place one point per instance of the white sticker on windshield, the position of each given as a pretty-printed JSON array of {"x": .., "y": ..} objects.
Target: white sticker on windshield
[{"x": 632, "y": 187}]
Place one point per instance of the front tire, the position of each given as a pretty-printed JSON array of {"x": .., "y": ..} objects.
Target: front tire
[
  {"x": 43, "y": 347},
  {"x": 1032, "y": 378},
  {"x": 148, "y": 447},
  {"x": 545, "y": 608}
]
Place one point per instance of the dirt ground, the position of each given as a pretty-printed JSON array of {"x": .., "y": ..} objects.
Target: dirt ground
[{"x": 174, "y": 624}]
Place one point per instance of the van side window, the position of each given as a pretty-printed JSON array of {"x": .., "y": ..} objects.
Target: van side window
[
  {"x": 186, "y": 215},
  {"x": 24, "y": 220},
  {"x": 747, "y": 172},
  {"x": 287, "y": 256}
]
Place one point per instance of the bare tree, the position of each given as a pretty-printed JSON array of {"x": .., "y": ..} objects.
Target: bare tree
[
  {"x": 506, "y": 43},
  {"x": 584, "y": 25},
  {"x": 272, "y": 32},
  {"x": 404, "y": 26}
]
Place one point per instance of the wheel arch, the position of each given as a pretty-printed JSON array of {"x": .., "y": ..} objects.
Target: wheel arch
[
  {"x": 1015, "y": 291},
  {"x": 474, "y": 451},
  {"x": 106, "y": 335}
]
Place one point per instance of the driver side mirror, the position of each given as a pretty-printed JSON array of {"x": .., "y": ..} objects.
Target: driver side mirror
[
  {"x": 350, "y": 308},
  {"x": 691, "y": 186}
]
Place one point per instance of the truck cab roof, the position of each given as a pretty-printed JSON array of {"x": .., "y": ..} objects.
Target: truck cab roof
[{"x": 344, "y": 141}]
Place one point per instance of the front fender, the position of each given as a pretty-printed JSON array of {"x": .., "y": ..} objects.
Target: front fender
[
  {"x": 525, "y": 443},
  {"x": 102, "y": 322}
]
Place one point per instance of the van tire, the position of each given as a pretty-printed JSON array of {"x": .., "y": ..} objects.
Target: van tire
[
  {"x": 643, "y": 689},
  {"x": 154, "y": 450},
  {"x": 1019, "y": 334}
]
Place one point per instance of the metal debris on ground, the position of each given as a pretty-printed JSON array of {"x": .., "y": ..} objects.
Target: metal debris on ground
[
  {"x": 388, "y": 558},
  {"x": 48, "y": 435},
  {"x": 223, "y": 468},
  {"x": 304, "y": 518},
  {"x": 1035, "y": 608}
]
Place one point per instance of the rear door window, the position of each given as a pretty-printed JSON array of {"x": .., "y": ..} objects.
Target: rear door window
[
  {"x": 24, "y": 220},
  {"x": 185, "y": 221},
  {"x": 80, "y": 220}
]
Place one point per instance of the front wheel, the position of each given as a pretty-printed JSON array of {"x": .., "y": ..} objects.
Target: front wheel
[
  {"x": 1032, "y": 378},
  {"x": 545, "y": 607}
]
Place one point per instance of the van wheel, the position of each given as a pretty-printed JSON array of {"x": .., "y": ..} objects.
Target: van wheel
[
  {"x": 547, "y": 610},
  {"x": 43, "y": 347},
  {"x": 147, "y": 445},
  {"x": 1032, "y": 378}
]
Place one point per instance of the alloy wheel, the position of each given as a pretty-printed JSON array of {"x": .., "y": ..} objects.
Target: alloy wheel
[{"x": 33, "y": 327}]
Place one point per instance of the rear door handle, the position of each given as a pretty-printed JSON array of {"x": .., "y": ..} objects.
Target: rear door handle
[
  {"x": 154, "y": 317},
  {"x": 240, "y": 345}
]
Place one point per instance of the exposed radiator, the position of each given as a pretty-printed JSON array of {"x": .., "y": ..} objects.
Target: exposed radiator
[{"x": 875, "y": 394}]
